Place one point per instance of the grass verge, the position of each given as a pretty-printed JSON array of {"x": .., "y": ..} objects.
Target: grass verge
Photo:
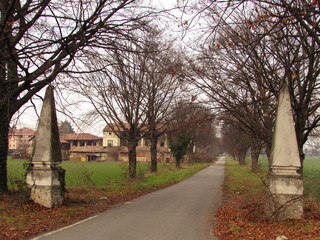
[{"x": 241, "y": 215}]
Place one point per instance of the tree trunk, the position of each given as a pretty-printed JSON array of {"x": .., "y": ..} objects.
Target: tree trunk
[
  {"x": 178, "y": 161},
  {"x": 190, "y": 153},
  {"x": 255, "y": 153},
  {"x": 242, "y": 158},
  {"x": 268, "y": 152},
  {"x": 256, "y": 146},
  {"x": 302, "y": 157},
  {"x": 132, "y": 159},
  {"x": 153, "y": 152},
  {"x": 4, "y": 133}
]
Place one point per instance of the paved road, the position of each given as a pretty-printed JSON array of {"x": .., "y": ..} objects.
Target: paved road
[{"x": 183, "y": 211}]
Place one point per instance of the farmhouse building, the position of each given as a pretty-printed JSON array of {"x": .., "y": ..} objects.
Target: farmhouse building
[
  {"x": 19, "y": 142},
  {"x": 72, "y": 143},
  {"x": 114, "y": 136},
  {"x": 19, "y": 138}
]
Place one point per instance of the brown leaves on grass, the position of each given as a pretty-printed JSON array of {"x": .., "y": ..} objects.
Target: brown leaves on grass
[{"x": 241, "y": 217}]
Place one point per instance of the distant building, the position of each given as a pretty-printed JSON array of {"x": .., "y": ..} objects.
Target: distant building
[
  {"x": 113, "y": 136},
  {"x": 88, "y": 147},
  {"x": 20, "y": 142},
  {"x": 19, "y": 138},
  {"x": 86, "y": 142}
]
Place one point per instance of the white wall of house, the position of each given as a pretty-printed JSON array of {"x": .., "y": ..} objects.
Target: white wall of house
[{"x": 110, "y": 139}]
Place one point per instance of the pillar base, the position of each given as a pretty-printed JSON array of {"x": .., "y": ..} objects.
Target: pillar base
[
  {"x": 47, "y": 186},
  {"x": 284, "y": 197}
]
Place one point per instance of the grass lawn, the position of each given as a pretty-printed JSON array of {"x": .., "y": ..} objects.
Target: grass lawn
[
  {"x": 311, "y": 176},
  {"x": 89, "y": 174}
]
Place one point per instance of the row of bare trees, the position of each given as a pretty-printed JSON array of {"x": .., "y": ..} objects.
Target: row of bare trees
[{"x": 255, "y": 48}]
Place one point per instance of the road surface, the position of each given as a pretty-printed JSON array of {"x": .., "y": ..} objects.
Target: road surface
[{"x": 183, "y": 211}]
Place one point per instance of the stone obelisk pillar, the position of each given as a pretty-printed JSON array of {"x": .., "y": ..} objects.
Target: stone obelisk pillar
[
  {"x": 46, "y": 178},
  {"x": 284, "y": 183}
]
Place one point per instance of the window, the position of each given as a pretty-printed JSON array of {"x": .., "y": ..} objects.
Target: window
[
  {"x": 161, "y": 144},
  {"x": 110, "y": 143}
]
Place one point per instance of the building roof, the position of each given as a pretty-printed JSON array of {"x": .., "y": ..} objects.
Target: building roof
[
  {"x": 115, "y": 127},
  {"x": 118, "y": 128},
  {"x": 78, "y": 136},
  {"x": 23, "y": 131}
]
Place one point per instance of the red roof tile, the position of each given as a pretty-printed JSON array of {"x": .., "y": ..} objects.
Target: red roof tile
[
  {"x": 23, "y": 131},
  {"x": 115, "y": 127},
  {"x": 79, "y": 136},
  {"x": 119, "y": 128}
]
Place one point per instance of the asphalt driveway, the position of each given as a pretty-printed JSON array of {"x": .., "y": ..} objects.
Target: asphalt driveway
[{"x": 183, "y": 211}]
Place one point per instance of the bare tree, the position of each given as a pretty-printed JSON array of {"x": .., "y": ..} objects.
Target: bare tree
[
  {"x": 235, "y": 140},
  {"x": 133, "y": 91},
  {"x": 117, "y": 94},
  {"x": 40, "y": 39},
  {"x": 204, "y": 144},
  {"x": 210, "y": 15},
  {"x": 135, "y": 86},
  {"x": 253, "y": 66},
  {"x": 163, "y": 69}
]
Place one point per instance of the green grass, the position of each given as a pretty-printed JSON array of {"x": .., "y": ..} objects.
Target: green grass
[
  {"x": 15, "y": 171},
  {"x": 92, "y": 173},
  {"x": 246, "y": 181},
  {"x": 311, "y": 175},
  {"x": 104, "y": 174},
  {"x": 166, "y": 175}
]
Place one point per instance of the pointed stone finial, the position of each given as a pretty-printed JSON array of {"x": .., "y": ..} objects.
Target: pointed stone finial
[
  {"x": 46, "y": 178},
  {"x": 285, "y": 158},
  {"x": 47, "y": 142}
]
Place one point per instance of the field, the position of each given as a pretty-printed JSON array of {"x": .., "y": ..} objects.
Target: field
[
  {"x": 312, "y": 178},
  {"x": 85, "y": 174}
]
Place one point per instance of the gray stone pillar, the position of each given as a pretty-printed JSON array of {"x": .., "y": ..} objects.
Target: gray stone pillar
[
  {"x": 284, "y": 183},
  {"x": 45, "y": 177}
]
